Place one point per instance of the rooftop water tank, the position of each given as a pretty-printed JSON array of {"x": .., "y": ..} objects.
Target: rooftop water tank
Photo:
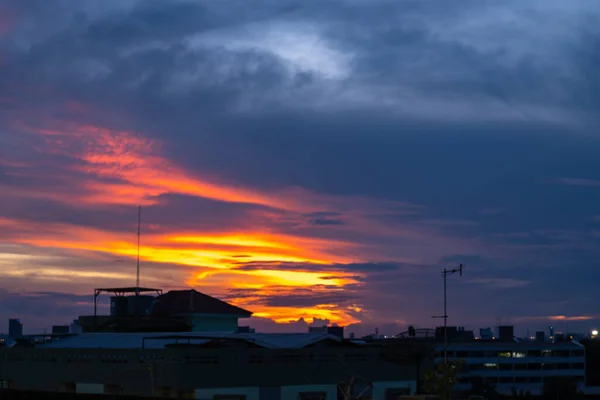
[
  {"x": 118, "y": 306},
  {"x": 139, "y": 305}
]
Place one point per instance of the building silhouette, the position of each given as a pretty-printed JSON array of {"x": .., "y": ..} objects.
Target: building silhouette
[{"x": 15, "y": 328}]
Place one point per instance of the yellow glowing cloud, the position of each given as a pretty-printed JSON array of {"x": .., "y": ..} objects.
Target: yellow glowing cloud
[
  {"x": 292, "y": 314},
  {"x": 122, "y": 168},
  {"x": 225, "y": 258}
]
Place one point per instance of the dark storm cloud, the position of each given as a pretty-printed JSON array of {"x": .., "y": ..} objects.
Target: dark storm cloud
[
  {"x": 298, "y": 297},
  {"x": 355, "y": 267},
  {"x": 323, "y": 221},
  {"x": 44, "y": 309},
  {"x": 481, "y": 114}
]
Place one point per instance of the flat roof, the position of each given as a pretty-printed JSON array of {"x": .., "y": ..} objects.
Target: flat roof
[
  {"x": 131, "y": 289},
  {"x": 161, "y": 340},
  {"x": 501, "y": 345}
]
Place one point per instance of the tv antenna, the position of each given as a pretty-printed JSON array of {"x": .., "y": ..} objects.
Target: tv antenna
[
  {"x": 137, "y": 280},
  {"x": 445, "y": 274}
]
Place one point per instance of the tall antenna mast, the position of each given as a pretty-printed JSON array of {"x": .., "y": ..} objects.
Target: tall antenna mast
[{"x": 137, "y": 281}]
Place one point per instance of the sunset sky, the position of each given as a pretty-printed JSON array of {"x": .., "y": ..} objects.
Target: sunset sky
[{"x": 306, "y": 160}]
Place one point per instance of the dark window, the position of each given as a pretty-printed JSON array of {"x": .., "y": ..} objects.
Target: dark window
[
  {"x": 520, "y": 367},
  {"x": 521, "y": 379},
  {"x": 548, "y": 366},
  {"x": 5, "y": 384},
  {"x": 112, "y": 389},
  {"x": 462, "y": 354},
  {"x": 505, "y": 367},
  {"x": 229, "y": 397},
  {"x": 534, "y": 353},
  {"x": 534, "y": 366},
  {"x": 577, "y": 366},
  {"x": 506, "y": 379},
  {"x": 577, "y": 353},
  {"x": 535, "y": 379},
  {"x": 563, "y": 366}
]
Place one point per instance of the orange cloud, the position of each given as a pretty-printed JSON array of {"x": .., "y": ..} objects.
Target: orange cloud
[
  {"x": 144, "y": 176},
  {"x": 217, "y": 257},
  {"x": 570, "y": 318},
  {"x": 116, "y": 167}
]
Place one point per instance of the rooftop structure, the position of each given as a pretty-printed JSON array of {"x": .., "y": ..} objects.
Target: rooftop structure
[
  {"x": 174, "y": 311},
  {"x": 164, "y": 340},
  {"x": 193, "y": 302},
  {"x": 15, "y": 328}
]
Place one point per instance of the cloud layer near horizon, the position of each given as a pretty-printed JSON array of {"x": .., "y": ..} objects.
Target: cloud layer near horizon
[{"x": 303, "y": 161}]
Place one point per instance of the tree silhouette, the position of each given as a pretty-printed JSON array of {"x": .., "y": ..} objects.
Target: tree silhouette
[
  {"x": 561, "y": 388},
  {"x": 481, "y": 387},
  {"x": 520, "y": 394},
  {"x": 442, "y": 379}
]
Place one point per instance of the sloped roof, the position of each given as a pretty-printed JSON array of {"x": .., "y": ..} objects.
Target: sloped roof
[
  {"x": 161, "y": 340},
  {"x": 194, "y": 302}
]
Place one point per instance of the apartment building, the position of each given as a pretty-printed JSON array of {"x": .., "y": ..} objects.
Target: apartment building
[{"x": 508, "y": 364}]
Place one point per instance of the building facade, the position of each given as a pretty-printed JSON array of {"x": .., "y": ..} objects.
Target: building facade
[
  {"x": 206, "y": 366},
  {"x": 519, "y": 365}
]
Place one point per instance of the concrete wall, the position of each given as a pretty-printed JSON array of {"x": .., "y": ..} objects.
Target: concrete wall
[
  {"x": 251, "y": 393},
  {"x": 292, "y": 392},
  {"x": 380, "y": 388},
  {"x": 269, "y": 374},
  {"x": 213, "y": 323}
]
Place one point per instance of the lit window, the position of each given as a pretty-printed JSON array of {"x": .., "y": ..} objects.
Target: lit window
[
  {"x": 490, "y": 366},
  {"x": 518, "y": 354},
  {"x": 504, "y": 354}
]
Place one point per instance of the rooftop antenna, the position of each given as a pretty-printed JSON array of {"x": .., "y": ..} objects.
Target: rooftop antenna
[
  {"x": 445, "y": 274},
  {"x": 137, "y": 280}
]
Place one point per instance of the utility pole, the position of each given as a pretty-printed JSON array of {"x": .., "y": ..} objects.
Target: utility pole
[{"x": 445, "y": 274}]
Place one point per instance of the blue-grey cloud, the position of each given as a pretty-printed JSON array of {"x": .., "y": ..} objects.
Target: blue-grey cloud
[{"x": 466, "y": 136}]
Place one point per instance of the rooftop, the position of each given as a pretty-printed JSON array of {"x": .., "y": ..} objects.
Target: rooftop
[
  {"x": 500, "y": 345},
  {"x": 194, "y": 302},
  {"x": 161, "y": 340}
]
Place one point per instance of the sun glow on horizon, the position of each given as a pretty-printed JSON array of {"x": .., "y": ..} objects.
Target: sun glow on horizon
[
  {"x": 117, "y": 168},
  {"x": 235, "y": 260}
]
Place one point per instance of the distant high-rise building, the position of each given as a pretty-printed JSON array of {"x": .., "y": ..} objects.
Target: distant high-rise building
[
  {"x": 540, "y": 336},
  {"x": 60, "y": 329},
  {"x": 317, "y": 329},
  {"x": 332, "y": 330},
  {"x": 15, "y": 328},
  {"x": 506, "y": 332}
]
